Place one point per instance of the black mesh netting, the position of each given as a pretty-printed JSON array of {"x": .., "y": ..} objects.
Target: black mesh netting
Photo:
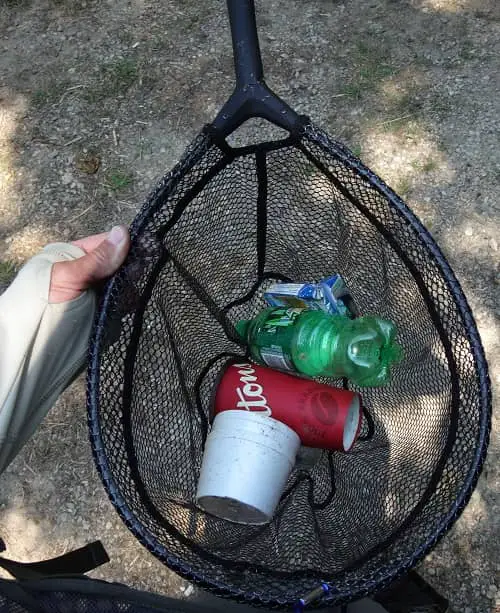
[
  {"x": 69, "y": 595},
  {"x": 218, "y": 229},
  {"x": 74, "y": 602}
]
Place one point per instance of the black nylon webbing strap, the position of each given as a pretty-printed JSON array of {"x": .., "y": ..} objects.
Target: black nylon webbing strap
[
  {"x": 75, "y": 562},
  {"x": 412, "y": 593}
]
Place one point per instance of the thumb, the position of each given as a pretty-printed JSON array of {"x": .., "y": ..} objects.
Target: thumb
[
  {"x": 102, "y": 261},
  {"x": 70, "y": 279}
]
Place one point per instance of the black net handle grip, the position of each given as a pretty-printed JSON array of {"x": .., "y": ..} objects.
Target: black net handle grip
[
  {"x": 246, "y": 48},
  {"x": 251, "y": 97}
]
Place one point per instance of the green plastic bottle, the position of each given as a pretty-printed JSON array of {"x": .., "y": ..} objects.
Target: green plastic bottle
[{"x": 316, "y": 344}]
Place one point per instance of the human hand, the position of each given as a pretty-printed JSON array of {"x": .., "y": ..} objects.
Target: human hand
[{"x": 105, "y": 253}]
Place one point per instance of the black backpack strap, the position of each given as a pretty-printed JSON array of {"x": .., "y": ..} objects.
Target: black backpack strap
[
  {"x": 412, "y": 593},
  {"x": 76, "y": 562}
]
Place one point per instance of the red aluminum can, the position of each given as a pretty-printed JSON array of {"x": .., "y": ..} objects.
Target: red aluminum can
[{"x": 322, "y": 416}]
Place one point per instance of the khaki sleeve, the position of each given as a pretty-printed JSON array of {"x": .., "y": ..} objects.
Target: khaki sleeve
[{"x": 43, "y": 346}]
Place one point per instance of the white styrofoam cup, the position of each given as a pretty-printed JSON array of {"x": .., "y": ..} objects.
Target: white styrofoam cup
[{"x": 247, "y": 460}]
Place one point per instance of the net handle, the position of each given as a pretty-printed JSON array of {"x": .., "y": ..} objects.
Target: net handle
[
  {"x": 246, "y": 48},
  {"x": 251, "y": 96}
]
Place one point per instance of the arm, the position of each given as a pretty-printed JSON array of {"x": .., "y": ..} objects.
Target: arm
[{"x": 46, "y": 317}]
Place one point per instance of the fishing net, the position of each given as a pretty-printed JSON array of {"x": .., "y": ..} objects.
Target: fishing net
[{"x": 222, "y": 226}]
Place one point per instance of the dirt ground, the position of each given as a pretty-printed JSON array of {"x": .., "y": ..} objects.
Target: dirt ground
[{"x": 99, "y": 98}]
